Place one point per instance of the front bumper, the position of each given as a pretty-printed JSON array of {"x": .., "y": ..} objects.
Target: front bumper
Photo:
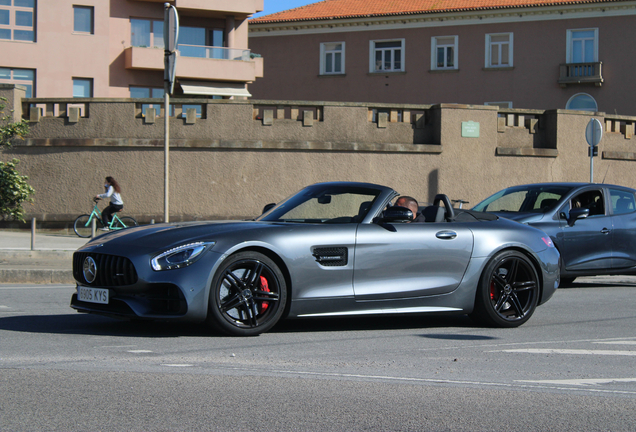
[
  {"x": 550, "y": 259},
  {"x": 138, "y": 292}
]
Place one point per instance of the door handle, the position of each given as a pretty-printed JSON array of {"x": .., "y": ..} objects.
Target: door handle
[
  {"x": 605, "y": 231},
  {"x": 446, "y": 235}
]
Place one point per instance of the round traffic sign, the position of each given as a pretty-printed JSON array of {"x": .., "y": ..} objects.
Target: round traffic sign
[{"x": 594, "y": 132}]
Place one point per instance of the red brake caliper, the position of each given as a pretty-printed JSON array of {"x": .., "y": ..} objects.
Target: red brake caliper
[
  {"x": 264, "y": 287},
  {"x": 493, "y": 291}
]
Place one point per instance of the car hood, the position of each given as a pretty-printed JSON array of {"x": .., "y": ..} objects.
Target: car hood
[{"x": 151, "y": 238}]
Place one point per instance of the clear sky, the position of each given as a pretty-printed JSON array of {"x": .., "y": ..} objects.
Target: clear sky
[{"x": 272, "y": 6}]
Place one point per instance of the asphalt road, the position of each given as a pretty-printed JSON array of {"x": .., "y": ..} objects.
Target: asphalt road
[{"x": 572, "y": 367}]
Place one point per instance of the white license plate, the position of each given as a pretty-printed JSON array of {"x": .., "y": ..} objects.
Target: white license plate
[{"x": 92, "y": 295}]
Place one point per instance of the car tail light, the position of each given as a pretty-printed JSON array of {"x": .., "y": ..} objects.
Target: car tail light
[{"x": 548, "y": 241}]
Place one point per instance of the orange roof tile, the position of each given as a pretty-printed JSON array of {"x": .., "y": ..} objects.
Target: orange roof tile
[{"x": 339, "y": 9}]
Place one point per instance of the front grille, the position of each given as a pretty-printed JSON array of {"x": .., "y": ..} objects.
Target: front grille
[{"x": 112, "y": 270}]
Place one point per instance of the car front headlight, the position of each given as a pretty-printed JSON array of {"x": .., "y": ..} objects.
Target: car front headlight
[{"x": 180, "y": 256}]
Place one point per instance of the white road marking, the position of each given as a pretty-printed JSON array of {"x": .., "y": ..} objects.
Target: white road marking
[
  {"x": 581, "y": 382},
  {"x": 625, "y": 342},
  {"x": 514, "y": 384},
  {"x": 496, "y": 345},
  {"x": 115, "y": 346},
  {"x": 139, "y": 351},
  {"x": 568, "y": 351},
  {"x": 177, "y": 365}
]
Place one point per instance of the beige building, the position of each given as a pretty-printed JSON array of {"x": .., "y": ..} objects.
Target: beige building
[
  {"x": 115, "y": 48},
  {"x": 552, "y": 54}
]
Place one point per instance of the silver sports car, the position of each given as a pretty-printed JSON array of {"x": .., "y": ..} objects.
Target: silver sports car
[{"x": 332, "y": 249}]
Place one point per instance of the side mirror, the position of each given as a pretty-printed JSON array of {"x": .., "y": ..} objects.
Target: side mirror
[
  {"x": 268, "y": 207},
  {"x": 577, "y": 213},
  {"x": 397, "y": 214}
]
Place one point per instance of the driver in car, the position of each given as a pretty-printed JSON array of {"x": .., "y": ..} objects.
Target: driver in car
[{"x": 408, "y": 202}]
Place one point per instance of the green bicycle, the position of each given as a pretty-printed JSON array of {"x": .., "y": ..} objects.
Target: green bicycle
[{"x": 83, "y": 224}]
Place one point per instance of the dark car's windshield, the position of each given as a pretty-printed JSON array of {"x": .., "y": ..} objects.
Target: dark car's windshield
[
  {"x": 324, "y": 204},
  {"x": 529, "y": 198}
]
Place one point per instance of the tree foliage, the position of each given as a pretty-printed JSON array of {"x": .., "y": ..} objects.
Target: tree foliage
[
  {"x": 14, "y": 189},
  {"x": 9, "y": 130}
]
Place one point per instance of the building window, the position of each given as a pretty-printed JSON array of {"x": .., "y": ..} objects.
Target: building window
[
  {"x": 192, "y": 43},
  {"x": 17, "y": 20},
  {"x": 83, "y": 19},
  {"x": 145, "y": 93},
  {"x": 332, "y": 58},
  {"x": 444, "y": 52},
  {"x": 23, "y": 77},
  {"x": 216, "y": 38},
  {"x": 499, "y": 50},
  {"x": 387, "y": 56},
  {"x": 146, "y": 33},
  {"x": 582, "y": 102},
  {"x": 582, "y": 46},
  {"x": 82, "y": 87}
]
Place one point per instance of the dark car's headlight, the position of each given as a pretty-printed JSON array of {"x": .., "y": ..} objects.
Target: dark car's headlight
[{"x": 178, "y": 257}]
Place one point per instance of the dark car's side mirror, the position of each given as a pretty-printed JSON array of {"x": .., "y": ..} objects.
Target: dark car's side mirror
[
  {"x": 397, "y": 214},
  {"x": 577, "y": 213},
  {"x": 268, "y": 207}
]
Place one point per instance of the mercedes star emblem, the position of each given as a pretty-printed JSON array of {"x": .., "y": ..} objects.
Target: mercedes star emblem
[{"x": 90, "y": 269}]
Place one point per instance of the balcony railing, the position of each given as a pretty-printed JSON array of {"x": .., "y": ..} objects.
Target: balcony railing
[
  {"x": 214, "y": 52},
  {"x": 579, "y": 73}
]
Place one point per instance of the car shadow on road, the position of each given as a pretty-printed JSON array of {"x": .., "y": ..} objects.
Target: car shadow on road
[
  {"x": 601, "y": 283},
  {"x": 96, "y": 325},
  {"x": 401, "y": 322}
]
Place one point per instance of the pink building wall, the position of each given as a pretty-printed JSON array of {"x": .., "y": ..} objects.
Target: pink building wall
[
  {"x": 292, "y": 65},
  {"x": 59, "y": 54}
]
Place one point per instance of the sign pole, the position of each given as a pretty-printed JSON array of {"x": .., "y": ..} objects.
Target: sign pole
[
  {"x": 593, "y": 135},
  {"x": 166, "y": 152},
  {"x": 591, "y": 164},
  {"x": 170, "y": 40}
]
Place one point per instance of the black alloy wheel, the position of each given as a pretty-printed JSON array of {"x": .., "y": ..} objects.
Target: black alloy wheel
[
  {"x": 247, "y": 296},
  {"x": 508, "y": 291}
]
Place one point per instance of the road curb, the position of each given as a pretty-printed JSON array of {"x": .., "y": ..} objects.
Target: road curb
[
  {"x": 36, "y": 276},
  {"x": 7, "y": 254}
]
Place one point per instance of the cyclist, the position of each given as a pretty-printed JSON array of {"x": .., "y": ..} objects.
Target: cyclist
[{"x": 113, "y": 191}]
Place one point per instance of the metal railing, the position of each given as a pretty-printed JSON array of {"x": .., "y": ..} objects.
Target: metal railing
[{"x": 213, "y": 52}]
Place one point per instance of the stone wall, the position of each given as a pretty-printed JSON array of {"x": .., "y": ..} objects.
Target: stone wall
[{"x": 239, "y": 155}]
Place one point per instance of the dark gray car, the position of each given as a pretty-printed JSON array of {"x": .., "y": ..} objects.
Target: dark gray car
[
  {"x": 332, "y": 249},
  {"x": 592, "y": 225}
]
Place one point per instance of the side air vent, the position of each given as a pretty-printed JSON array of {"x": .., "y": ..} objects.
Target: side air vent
[{"x": 332, "y": 256}]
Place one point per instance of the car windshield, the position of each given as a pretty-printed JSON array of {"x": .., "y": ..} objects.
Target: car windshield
[
  {"x": 529, "y": 199},
  {"x": 324, "y": 204}
]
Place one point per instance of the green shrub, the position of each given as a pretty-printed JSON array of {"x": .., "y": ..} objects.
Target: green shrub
[{"x": 14, "y": 189}]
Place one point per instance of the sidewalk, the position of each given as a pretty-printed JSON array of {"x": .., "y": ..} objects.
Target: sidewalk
[{"x": 51, "y": 261}]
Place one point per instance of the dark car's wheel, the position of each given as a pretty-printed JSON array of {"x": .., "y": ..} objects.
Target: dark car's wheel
[
  {"x": 248, "y": 295},
  {"x": 83, "y": 228},
  {"x": 508, "y": 291}
]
